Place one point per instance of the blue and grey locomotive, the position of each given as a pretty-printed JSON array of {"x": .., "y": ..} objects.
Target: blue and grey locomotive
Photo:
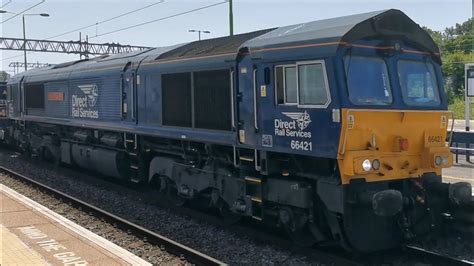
[{"x": 334, "y": 130}]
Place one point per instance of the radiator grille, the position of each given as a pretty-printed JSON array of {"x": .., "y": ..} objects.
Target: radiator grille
[{"x": 176, "y": 99}]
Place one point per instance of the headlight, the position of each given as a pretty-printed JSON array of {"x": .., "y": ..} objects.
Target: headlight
[
  {"x": 445, "y": 159},
  {"x": 376, "y": 164},
  {"x": 438, "y": 160},
  {"x": 366, "y": 165}
]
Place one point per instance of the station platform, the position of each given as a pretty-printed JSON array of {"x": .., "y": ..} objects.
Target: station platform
[
  {"x": 460, "y": 125},
  {"x": 31, "y": 234},
  {"x": 459, "y": 174}
]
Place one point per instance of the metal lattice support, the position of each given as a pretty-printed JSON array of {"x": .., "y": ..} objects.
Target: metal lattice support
[
  {"x": 20, "y": 65},
  {"x": 30, "y": 65},
  {"x": 69, "y": 47}
]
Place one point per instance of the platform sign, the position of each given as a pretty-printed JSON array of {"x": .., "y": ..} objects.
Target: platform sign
[
  {"x": 469, "y": 92},
  {"x": 470, "y": 82}
]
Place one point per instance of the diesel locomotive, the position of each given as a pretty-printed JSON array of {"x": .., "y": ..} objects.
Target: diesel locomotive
[{"x": 335, "y": 130}]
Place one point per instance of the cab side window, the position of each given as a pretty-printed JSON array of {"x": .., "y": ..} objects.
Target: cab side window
[
  {"x": 303, "y": 84},
  {"x": 286, "y": 85}
]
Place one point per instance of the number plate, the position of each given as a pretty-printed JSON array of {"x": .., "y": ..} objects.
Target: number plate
[{"x": 434, "y": 139}]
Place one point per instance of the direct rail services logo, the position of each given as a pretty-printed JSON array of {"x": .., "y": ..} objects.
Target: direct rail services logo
[
  {"x": 294, "y": 128},
  {"x": 84, "y": 106}
]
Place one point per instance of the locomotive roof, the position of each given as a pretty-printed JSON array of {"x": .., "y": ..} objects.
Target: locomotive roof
[
  {"x": 224, "y": 45},
  {"x": 390, "y": 23},
  {"x": 334, "y": 31}
]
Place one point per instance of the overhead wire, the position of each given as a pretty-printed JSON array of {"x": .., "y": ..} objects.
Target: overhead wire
[
  {"x": 6, "y": 4},
  {"x": 106, "y": 20},
  {"x": 92, "y": 25},
  {"x": 17, "y": 14},
  {"x": 160, "y": 19},
  {"x": 136, "y": 25}
]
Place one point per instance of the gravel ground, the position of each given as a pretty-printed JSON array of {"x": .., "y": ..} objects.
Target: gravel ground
[
  {"x": 213, "y": 240},
  {"x": 137, "y": 246}
]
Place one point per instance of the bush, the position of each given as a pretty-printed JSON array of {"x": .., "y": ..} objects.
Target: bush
[{"x": 458, "y": 108}]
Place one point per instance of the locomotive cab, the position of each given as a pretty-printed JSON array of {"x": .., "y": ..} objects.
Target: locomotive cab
[
  {"x": 393, "y": 144},
  {"x": 365, "y": 115},
  {"x": 394, "y": 108}
]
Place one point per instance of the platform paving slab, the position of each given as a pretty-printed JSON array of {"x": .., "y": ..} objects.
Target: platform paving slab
[
  {"x": 42, "y": 237},
  {"x": 14, "y": 252}
]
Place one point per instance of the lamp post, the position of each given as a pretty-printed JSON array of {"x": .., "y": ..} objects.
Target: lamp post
[
  {"x": 231, "y": 18},
  {"x": 200, "y": 31},
  {"x": 24, "y": 34}
]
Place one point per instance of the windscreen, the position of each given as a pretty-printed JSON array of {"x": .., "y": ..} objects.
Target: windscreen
[
  {"x": 418, "y": 83},
  {"x": 367, "y": 80}
]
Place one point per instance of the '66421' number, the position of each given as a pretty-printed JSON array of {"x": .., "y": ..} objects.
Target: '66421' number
[{"x": 301, "y": 145}]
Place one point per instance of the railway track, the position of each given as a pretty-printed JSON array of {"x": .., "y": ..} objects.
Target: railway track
[
  {"x": 185, "y": 253},
  {"x": 465, "y": 214},
  {"x": 437, "y": 258}
]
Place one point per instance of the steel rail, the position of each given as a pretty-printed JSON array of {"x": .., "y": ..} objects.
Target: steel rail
[
  {"x": 173, "y": 247},
  {"x": 437, "y": 258}
]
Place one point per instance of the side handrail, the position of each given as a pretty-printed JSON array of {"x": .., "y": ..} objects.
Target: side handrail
[
  {"x": 232, "y": 99},
  {"x": 255, "y": 99},
  {"x": 343, "y": 149},
  {"x": 451, "y": 133}
]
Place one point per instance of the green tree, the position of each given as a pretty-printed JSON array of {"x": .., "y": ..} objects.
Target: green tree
[
  {"x": 456, "y": 44},
  {"x": 453, "y": 70},
  {"x": 4, "y": 76}
]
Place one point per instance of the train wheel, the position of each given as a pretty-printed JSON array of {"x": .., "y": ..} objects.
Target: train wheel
[
  {"x": 298, "y": 228},
  {"x": 301, "y": 236},
  {"x": 172, "y": 194},
  {"x": 227, "y": 215},
  {"x": 337, "y": 228}
]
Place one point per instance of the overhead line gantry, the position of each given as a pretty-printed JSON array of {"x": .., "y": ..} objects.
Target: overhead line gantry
[{"x": 82, "y": 48}]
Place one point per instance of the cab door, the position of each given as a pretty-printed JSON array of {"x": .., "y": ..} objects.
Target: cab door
[
  {"x": 129, "y": 95},
  {"x": 14, "y": 99},
  {"x": 248, "y": 123}
]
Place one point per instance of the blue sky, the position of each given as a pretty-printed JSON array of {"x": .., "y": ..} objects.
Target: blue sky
[{"x": 248, "y": 16}]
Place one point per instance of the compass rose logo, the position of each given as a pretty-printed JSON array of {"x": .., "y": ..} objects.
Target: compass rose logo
[
  {"x": 92, "y": 93},
  {"x": 302, "y": 119}
]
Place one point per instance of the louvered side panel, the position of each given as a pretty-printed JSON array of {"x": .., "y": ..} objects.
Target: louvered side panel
[
  {"x": 95, "y": 98},
  {"x": 57, "y": 100}
]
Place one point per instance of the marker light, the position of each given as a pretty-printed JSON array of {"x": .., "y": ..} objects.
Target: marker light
[
  {"x": 366, "y": 165},
  {"x": 376, "y": 164},
  {"x": 398, "y": 47},
  {"x": 404, "y": 144}
]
